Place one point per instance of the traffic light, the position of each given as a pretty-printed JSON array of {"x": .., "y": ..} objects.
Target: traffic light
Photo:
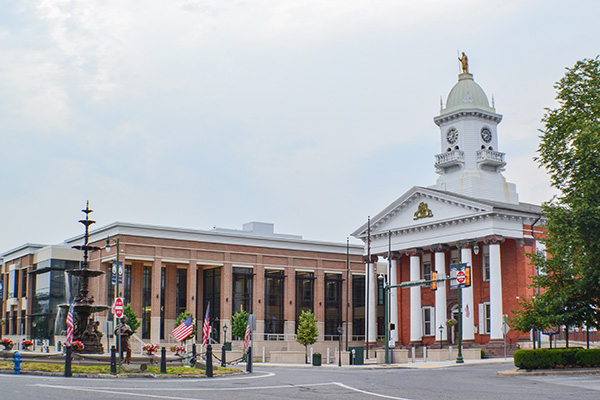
[
  {"x": 392, "y": 326},
  {"x": 467, "y": 276},
  {"x": 434, "y": 278}
]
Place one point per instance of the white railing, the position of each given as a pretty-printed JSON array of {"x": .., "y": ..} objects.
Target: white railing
[
  {"x": 450, "y": 157},
  {"x": 492, "y": 156}
]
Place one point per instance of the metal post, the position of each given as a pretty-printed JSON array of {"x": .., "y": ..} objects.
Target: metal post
[
  {"x": 113, "y": 360},
  {"x": 459, "y": 358},
  {"x": 340, "y": 330},
  {"x": 163, "y": 360},
  {"x": 209, "y": 365},
  {"x": 68, "y": 372},
  {"x": 387, "y": 323},
  {"x": 347, "y": 286},
  {"x": 223, "y": 356},
  {"x": 249, "y": 362},
  {"x": 118, "y": 320},
  {"x": 194, "y": 355}
]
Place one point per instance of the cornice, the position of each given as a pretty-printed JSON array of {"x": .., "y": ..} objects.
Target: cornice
[{"x": 486, "y": 115}]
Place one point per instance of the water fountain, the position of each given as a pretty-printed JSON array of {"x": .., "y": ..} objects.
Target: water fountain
[{"x": 86, "y": 328}]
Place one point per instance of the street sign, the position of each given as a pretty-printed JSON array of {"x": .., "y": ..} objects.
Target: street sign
[
  {"x": 505, "y": 328},
  {"x": 461, "y": 277},
  {"x": 551, "y": 330},
  {"x": 453, "y": 271},
  {"x": 119, "y": 307}
]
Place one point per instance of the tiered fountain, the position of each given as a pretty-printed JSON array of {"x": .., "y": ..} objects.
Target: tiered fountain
[{"x": 86, "y": 328}]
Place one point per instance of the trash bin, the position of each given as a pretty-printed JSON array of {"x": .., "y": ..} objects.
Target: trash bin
[
  {"x": 357, "y": 355},
  {"x": 316, "y": 361}
]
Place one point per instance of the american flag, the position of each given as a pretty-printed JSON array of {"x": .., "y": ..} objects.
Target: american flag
[
  {"x": 183, "y": 330},
  {"x": 467, "y": 312},
  {"x": 206, "y": 327},
  {"x": 247, "y": 335},
  {"x": 70, "y": 327}
]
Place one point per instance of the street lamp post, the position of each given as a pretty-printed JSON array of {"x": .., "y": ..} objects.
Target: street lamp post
[
  {"x": 387, "y": 318},
  {"x": 340, "y": 332},
  {"x": 118, "y": 270},
  {"x": 441, "y": 328}
]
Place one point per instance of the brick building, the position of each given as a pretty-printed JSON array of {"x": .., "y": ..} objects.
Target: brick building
[
  {"x": 169, "y": 270},
  {"x": 471, "y": 215}
]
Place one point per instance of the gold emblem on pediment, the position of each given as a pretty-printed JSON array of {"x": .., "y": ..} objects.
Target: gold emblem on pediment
[{"x": 423, "y": 211}]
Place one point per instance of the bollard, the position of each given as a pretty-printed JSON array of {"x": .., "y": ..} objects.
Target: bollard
[
  {"x": 249, "y": 360},
  {"x": 209, "y": 365},
  {"x": 424, "y": 353},
  {"x": 17, "y": 360},
  {"x": 413, "y": 353},
  {"x": 163, "y": 360},
  {"x": 223, "y": 356},
  {"x": 113, "y": 360},
  {"x": 68, "y": 372},
  {"x": 194, "y": 355}
]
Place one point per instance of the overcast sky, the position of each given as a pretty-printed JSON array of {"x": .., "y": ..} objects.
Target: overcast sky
[{"x": 310, "y": 114}]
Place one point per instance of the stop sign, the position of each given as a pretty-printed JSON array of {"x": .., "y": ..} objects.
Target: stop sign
[
  {"x": 119, "y": 307},
  {"x": 461, "y": 277}
]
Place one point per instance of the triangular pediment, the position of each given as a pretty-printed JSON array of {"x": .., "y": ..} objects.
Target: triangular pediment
[{"x": 423, "y": 206}]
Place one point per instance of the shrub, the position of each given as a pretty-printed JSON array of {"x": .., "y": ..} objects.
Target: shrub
[{"x": 556, "y": 358}]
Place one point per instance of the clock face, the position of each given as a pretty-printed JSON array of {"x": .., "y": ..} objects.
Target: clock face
[
  {"x": 486, "y": 134},
  {"x": 452, "y": 136}
]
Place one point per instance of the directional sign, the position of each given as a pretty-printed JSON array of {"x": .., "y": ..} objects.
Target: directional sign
[
  {"x": 119, "y": 307},
  {"x": 461, "y": 277}
]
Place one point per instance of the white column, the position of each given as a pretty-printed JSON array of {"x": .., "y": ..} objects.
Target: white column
[
  {"x": 495, "y": 292},
  {"x": 394, "y": 299},
  {"x": 467, "y": 299},
  {"x": 440, "y": 296},
  {"x": 416, "y": 314},
  {"x": 370, "y": 295}
]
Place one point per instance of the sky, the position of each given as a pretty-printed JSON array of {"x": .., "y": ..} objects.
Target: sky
[{"x": 310, "y": 114}]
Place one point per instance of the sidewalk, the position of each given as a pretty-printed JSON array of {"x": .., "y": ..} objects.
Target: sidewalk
[{"x": 418, "y": 364}]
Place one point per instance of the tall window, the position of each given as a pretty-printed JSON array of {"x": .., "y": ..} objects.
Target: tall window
[
  {"x": 358, "y": 306},
  {"x": 212, "y": 294},
  {"x": 333, "y": 305},
  {"x": 486, "y": 267},
  {"x": 163, "y": 284},
  {"x": 127, "y": 284},
  {"x": 242, "y": 289},
  {"x": 485, "y": 318},
  {"x": 146, "y": 300},
  {"x": 428, "y": 321},
  {"x": 274, "y": 287},
  {"x": 24, "y": 283},
  {"x": 305, "y": 293},
  {"x": 181, "y": 296}
]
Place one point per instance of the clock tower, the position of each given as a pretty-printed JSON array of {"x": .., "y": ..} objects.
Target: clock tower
[{"x": 469, "y": 162}]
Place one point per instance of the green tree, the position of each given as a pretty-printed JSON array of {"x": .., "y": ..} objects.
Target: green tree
[
  {"x": 182, "y": 317},
  {"x": 239, "y": 321},
  {"x": 307, "y": 331},
  {"x": 570, "y": 151},
  {"x": 132, "y": 318}
]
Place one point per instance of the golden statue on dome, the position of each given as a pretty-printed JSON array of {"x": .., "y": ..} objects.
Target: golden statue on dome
[{"x": 464, "y": 62}]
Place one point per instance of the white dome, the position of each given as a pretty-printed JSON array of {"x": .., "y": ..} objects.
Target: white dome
[{"x": 467, "y": 94}]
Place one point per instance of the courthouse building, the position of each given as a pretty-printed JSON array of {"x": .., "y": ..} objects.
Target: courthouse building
[{"x": 472, "y": 215}]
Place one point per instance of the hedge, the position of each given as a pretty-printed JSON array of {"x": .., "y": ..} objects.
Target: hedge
[{"x": 557, "y": 358}]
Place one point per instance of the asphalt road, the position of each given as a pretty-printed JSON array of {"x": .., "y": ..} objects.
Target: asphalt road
[{"x": 459, "y": 382}]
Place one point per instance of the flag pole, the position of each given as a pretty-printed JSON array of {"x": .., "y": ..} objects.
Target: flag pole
[{"x": 367, "y": 285}]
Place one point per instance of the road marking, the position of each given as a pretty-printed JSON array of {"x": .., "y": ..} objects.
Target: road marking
[
  {"x": 290, "y": 386},
  {"x": 369, "y": 393}
]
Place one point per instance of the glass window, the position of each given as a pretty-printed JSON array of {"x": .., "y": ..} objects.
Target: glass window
[
  {"x": 163, "y": 274},
  {"x": 486, "y": 267},
  {"x": 333, "y": 304},
  {"x": 427, "y": 272},
  {"x": 242, "y": 290},
  {"x": 274, "y": 287},
  {"x": 181, "y": 295},
  {"x": 146, "y": 299},
  {"x": 11, "y": 284},
  {"x": 24, "y": 283},
  {"x": 305, "y": 293},
  {"x": 212, "y": 294},
  {"x": 127, "y": 284},
  {"x": 358, "y": 306},
  {"x": 428, "y": 321}
]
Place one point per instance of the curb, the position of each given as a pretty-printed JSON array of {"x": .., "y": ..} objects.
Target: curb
[{"x": 545, "y": 372}]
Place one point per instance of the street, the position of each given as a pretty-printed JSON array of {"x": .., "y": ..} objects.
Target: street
[{"x": 459, "y": 382}]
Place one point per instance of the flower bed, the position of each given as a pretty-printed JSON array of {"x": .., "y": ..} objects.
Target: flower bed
[
  {"x": 7, "y": 343},
  {"x": 151, "y": 348}
]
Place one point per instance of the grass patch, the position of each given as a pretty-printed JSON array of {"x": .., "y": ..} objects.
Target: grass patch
[{"x": 105, "y": 369}]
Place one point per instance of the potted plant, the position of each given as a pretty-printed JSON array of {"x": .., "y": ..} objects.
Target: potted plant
[
  {"x": 150, "y": 348},
  {"x": 26, "y": 344},
  {"x": 7, "y": 343},
  {"x": 78, "y": 345},
  {"x": 176, "y": 348}
]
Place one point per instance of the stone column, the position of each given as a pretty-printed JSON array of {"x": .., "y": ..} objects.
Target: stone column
[
  {"x": 467, "y": 297},
  {"x": 441, "y": 307},
  {"x": 495, "y": 286},
  {"x": 155, "y": 300},
  {"x": 393, "y": 280},
  {"x": 192, "y": 272},
  {"x": 416, "y": 313},
  {"x": 370, "y": 296}
]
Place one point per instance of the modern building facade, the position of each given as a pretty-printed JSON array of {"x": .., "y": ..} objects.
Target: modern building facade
[
  {"x": 471, "y": 215},
  {"x": 169, "y": 270}
]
